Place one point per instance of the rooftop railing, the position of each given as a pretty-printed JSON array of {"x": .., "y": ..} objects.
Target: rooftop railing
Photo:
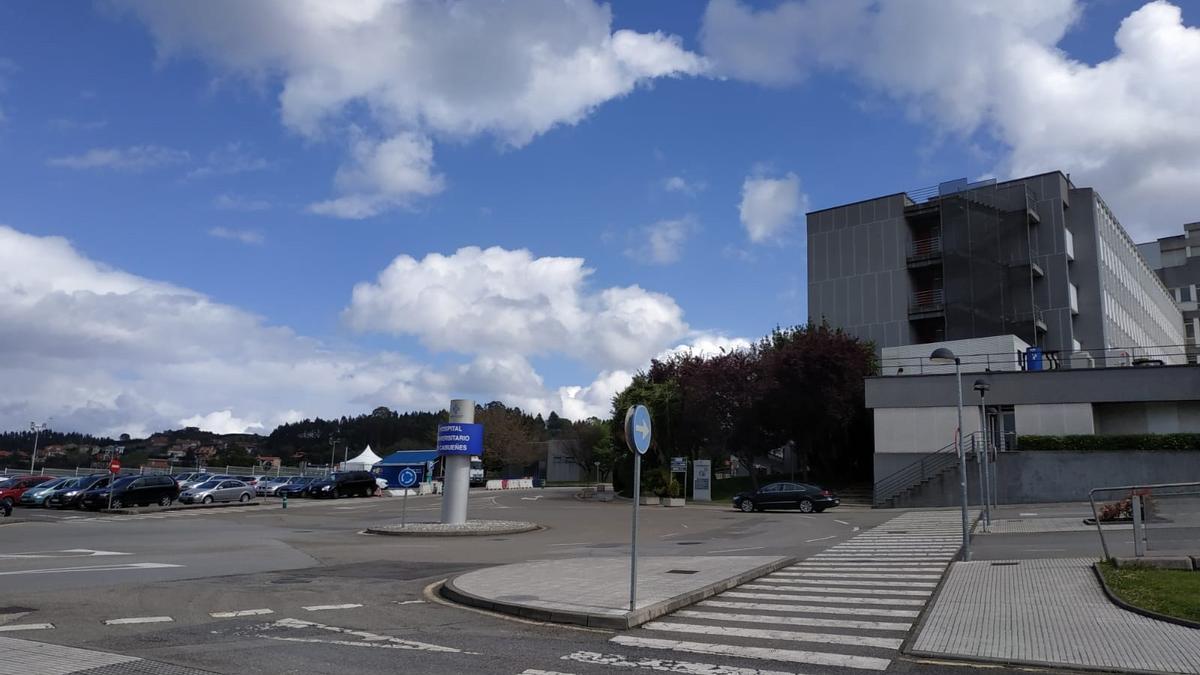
[{"x": 1116, "y": 357}]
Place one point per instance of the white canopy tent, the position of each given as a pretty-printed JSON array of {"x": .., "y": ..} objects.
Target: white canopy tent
[{"x": 363, "y": 462}]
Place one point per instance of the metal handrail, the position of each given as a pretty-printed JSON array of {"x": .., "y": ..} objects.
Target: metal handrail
[
  {"x": 921, "y": 248},
  {"x": 930, "y": 298},
  {"x": 1133, "y": 490},
  {"x": 929, "y": 466}
]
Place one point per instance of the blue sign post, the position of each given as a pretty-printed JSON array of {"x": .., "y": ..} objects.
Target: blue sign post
[
  {"x": 637, "y": 437},
  {"x": 460, "y": 439},
  {"x": 407, "y": 478}
]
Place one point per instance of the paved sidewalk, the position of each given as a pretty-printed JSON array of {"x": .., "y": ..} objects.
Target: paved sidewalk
[
  {"x": 1040, "y": 525},
  {"x": 26, "y": 657},
  {"x": 595, "y": 591},
  {"x": 1048, "y": 613}
]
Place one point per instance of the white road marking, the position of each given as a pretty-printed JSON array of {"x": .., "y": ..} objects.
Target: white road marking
[
  {"x": 1027, "y": 515},
  {"x": 531, "y": 499},
  {"x": 671, "y": 666},
  {"x": 578, "y": 543},
  {"x": 735, "y": 550},
  {"x": 842, "y": 522},
  {"x": 535, "y": 671},
  {"x": 322, "y": 608},
  {"x": 855, "y": 528},
  {"x": 137, "y": 619},
  {"x": 65, "y": 553},
  {"x": 864, "y": 573},
  {"x": 92, "y": 568},
  {"x": 240, "y": 612},
  {"x": 767, "y": 634},
  {"x": 809, "y": 541},
  {"x": 410, "y": 602},
  {"x": 885, "y": 563},
  {"x": 792, "y": 608},
  {"x": 673, "y": 534},
  {"x": 370, "y": 639},
  {"x": 844, "y": 582},
  {"x": 25, "y": 626},
  {"x": 829, "y": 589},
  {"x": 830, "y": 599},
  {"x": 761, "y": 653},
  {"x": 795, "y": 620}
]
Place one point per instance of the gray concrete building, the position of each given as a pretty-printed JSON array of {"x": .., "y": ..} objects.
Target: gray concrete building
[
  {"x": 1035, "y": 257},
  {"x": 1177, "y": 261}
]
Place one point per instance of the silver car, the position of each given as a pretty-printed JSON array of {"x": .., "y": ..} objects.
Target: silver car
[
  {"x": 217, "y": 491},
  {"x": 267, "y": 486},
  {"x": 38, "y": 494}
]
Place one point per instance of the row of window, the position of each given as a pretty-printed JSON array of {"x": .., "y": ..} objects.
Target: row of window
[
  {"x": 1129, "y": 331},
  {"x": 1135, "y": 281}
]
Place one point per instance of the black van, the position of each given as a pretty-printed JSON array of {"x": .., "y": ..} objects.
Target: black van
[
  {"x": 134, "y": 490},
  {"x": 344, "y": 484}
]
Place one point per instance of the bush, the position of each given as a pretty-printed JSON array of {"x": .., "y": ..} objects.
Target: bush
[{"x": 1089, "y": 443}]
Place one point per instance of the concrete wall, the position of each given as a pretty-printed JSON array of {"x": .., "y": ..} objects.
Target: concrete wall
[
  {"x": 1054, "y": 419},
  {"x": 559, "y": 466},
  {"x": 976, "y": 355},
  {"x": 1034, "y": 477},
  {"x": 921, "y": 430}
]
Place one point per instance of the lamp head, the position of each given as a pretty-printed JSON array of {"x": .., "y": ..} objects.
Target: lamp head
[
  {"x": 982, "y": 386},
  {"x": 943, "y": 355}
]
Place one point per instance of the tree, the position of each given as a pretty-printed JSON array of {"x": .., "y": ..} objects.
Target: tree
[{"x": 508, "y": 436}]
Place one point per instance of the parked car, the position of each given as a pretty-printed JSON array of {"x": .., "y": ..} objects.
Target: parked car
[
  {"x": 218, "y": 491},
  {"x": 296, "y": 486},
  {"x": 12, "y": 489},
  {"x": 133, "y": 490},
  {"x": 195, "y": 479},
  {"x": 181, "y": 478},
  {"x": 806, "y": 498},
  {"x": 344, "y": 484},
  {"x": 38, "y": 494},
  {"x": 267, "y": 486},
  {"x": 69, "y": 496}
]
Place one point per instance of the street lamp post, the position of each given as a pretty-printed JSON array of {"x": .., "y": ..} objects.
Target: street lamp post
[
  {"x": 332, "y": 455},
  {"x": 597, "y": 473},
  {"x": 944, "y": 355},
  {"x": 37, "y": 429},
  {"x": 985, "y": 482}
]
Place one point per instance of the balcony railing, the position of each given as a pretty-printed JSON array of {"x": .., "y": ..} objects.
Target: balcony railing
[
  {"x": 925, "y": 249},
  {"x": 931, "y": 300}
]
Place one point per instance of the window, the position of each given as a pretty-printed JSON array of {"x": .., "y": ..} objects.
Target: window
[
  {"x": 1185, "y": 294},
  {"x": 773, "y": 487}
]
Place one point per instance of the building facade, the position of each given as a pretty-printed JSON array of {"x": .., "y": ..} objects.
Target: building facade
[
  {"x": 1177, "y": 261},
  {"x": 1035, "y": 257}
]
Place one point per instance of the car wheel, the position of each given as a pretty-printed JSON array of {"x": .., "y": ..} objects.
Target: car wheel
[
  {"x": 164, "y": 501},
  {"x": 747, "y": 506},
  {"x": 117, "y": 503},
  {"x": 8, "y": 502},
  {"x": 208, "y": 499},
  {"x": 244, "y": 498},
  {"x": 806, "y": 506}
]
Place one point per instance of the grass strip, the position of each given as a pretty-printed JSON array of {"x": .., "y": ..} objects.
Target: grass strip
[{"x": 1170, "y": 592}]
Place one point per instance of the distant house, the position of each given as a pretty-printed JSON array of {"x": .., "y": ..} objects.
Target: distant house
[
  {"x": 270, "y": 462},
  {"x": 206, "y": 452},
  {"x": 158, "y": 463},
  {"x": 53, "y": 451}
]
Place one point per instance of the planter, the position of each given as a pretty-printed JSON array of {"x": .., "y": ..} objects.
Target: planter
[
  {"x": 649, "y": 500},
  {"x": 673, "y": 501}
]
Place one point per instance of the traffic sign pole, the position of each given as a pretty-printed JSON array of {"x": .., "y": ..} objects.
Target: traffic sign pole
[{"x": 637, "y": 437}]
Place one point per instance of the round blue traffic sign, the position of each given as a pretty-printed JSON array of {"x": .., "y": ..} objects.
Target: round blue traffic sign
[
  {"x": 637, "y": 429},
  {"x": 407, "y": 478}
]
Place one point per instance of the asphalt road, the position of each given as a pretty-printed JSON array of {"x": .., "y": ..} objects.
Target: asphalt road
[{"x": 302, "y": 590}]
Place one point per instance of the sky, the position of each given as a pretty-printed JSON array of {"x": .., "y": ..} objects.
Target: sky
[{"x": 233, "y": 215}]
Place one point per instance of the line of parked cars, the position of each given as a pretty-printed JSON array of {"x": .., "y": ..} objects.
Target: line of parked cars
[{"x": 333, "y": 486}]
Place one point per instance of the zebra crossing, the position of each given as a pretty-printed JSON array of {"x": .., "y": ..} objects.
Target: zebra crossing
[{"x": 847, "y": 609}]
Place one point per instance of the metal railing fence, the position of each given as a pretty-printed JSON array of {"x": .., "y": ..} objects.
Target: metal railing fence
[{"x": 1164, "y": 519}]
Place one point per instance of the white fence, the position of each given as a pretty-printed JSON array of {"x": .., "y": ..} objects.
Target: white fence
[{"x": 510, "y": 484}]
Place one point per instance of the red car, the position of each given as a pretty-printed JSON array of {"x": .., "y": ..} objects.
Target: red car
[{"x": 12, "y": 489}]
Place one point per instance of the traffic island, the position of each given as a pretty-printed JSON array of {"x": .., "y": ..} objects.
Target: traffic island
[
  {"x": 467, "y": 529},
  {"x": 595, "y": 591}
]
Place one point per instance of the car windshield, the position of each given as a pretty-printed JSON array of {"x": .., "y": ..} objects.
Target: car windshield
[
  {"x": 52, "y": 484},
  {"x": 69, "y": 484},
  {"x": 124, "y": 482},
  {"x": 208, "y": 485},
  {"x": 301, "y": 480}
]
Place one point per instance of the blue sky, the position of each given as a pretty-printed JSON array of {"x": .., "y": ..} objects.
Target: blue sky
[{"x": 163, "y": 142}]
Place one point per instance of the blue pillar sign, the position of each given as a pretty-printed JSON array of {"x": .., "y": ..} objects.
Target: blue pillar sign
[{"x": 460, "y": 439}]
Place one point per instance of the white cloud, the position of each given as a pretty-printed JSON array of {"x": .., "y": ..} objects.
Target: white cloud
[
  {"x": 231, "y": 202},
  {"x": 499, "y": 302},
  {"x": 223, "y": 422},
  {"x": 382, "y": 176},
  {"x": 133, "y": 158},
  {"x": 1128, "y": 125},
  {"x": 770, "y": 206},
  {"x": 683, "y": 186},
  {"x": 244, "y": 236},
  {"x": 230, "y": 159},
  {"x": 661, "y": 242},
  {"x": 444, "y": 70}
]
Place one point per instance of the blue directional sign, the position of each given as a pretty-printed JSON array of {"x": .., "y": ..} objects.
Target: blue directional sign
[
  {"x": 460, "y": 439},
  {"x": 407, "y": 478},
  {"x": 637, "y": 429}
]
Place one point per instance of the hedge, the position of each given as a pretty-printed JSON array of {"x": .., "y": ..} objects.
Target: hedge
[{"x": 1088, "y": 443}]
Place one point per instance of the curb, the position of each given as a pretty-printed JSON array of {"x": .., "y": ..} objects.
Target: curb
[
  {"x": 179, "y": 507},
  {"x": 621, "y": 622},
  {"x": 528, "y": 527},
  {"x": 1134, "y": 608}
]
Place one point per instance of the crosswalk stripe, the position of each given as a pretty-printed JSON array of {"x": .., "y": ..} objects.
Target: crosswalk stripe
[
  {"x": 850, "y": 557},
  {"x": 780, "y": 587},
  {"x": 793, "y": 608},
  {"x": 768, "y": 634},
  {"x": 808, "y": 579},
  {"x": 759, "y": 653},
  {"x": 671, "y": 666},
  {"x": 852, "y": 575},
  {"x": 822, "y": 598},
  {"x": 882, "y": 564},
  {"x": 794, "y": 620}
]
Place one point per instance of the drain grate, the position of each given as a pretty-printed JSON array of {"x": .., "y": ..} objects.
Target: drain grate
[
  {"x": 688, "y": 543},
  {"x": 1005, "y": 564},
  {"x": 897, "y": 531},
  {"x": 682, "y": 571}
]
